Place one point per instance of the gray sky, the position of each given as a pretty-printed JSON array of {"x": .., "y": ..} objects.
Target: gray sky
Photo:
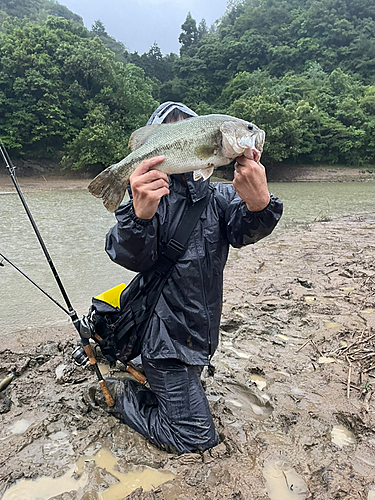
[{"x": 139, "y": 23}]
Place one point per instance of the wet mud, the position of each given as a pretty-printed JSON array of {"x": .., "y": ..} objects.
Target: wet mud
[{"x": 293, "y": 395}]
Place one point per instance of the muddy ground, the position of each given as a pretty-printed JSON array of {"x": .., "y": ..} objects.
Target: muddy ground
[
  {"x": 293, "y": 396},
  {"x": 298, "y": 309}
]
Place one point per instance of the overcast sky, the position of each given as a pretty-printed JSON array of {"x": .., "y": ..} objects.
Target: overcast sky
[{"x": 139, "y": 23}]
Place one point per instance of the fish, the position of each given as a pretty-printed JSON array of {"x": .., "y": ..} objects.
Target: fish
[
  {"x": 198, "y": 144},
  {"x": 6, "y": 381}
]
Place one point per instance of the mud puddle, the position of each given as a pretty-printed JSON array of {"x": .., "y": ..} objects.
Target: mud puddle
[
  {"x": 85, "y": 476},
  {"x": 292, "y": 397}
]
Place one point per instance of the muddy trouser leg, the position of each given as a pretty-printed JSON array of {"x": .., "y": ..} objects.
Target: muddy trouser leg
[{"x": 175, "y": 414}]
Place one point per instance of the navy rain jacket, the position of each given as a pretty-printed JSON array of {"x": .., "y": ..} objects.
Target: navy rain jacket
[{"x": 185, "y": 324}]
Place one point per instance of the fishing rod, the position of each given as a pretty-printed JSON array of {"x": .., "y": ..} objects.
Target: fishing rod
[
  {"x": 33, "y": 282},
  {"x": 11, "y": 169},
  {"x": 81, "y": 328},
  {"x": 79, "y": 357}
]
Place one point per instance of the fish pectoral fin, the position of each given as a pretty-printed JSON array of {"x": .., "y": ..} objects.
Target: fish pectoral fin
[
  {"x": 140, "y": 136},
  {"x": 204, "y": 173},
  {"x": 205, "y": 152}
]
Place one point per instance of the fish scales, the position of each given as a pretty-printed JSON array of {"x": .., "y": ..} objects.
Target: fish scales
[{"x": 198, "y": 144}]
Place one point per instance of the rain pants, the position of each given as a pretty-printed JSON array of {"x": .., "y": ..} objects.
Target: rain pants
[{"x": 183, "y": 332}]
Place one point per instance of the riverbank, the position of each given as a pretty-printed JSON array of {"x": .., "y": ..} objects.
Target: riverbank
[
  {"x": 305, "y": 173},
  {"x": 293, "y": 394},
  {"x": 282, "y": 173}
]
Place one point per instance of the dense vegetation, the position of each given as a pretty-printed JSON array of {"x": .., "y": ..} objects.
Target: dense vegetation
[
  {"x": 37, "y": 10},
  {"x": 304, "y": 70}
]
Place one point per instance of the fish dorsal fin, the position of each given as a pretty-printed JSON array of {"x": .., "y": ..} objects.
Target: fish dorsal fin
[{"x": 141, "y": 135}]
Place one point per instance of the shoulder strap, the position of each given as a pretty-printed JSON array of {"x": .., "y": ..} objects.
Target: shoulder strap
[{"x": 177, "y": 243}]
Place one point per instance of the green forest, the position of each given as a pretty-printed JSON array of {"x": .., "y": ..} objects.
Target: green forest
[{"x": 303, "y": 70}]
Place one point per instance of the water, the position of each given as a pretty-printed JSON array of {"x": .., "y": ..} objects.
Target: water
[
  {"x": 73, "y": 225},
  {"x": 41, "y": 488},
  {"x": 306, "y": 202},
  {"x": 282, "y": 481}
]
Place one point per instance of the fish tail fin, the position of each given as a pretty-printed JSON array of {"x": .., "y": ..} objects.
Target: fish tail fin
[{"x": 108, "y": 187}]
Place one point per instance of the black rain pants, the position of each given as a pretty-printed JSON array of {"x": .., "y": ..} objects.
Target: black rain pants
[{"x": 174, "y": 415}]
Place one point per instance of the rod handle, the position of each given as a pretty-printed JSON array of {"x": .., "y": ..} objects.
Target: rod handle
[
  {"x": 107, "y": 395},
  {"x": 88, "y": 350},
  {"x": 139, "y": 377}
]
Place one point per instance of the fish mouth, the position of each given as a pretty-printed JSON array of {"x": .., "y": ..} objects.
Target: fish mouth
[
  {"x": 246, "y": 142},
  {"x": 259, "y": 141}
]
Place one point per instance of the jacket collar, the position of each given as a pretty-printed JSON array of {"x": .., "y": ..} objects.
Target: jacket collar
[{"x": 197, "y": 189}]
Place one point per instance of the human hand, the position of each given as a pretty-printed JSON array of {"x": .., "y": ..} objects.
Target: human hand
[
  {"x": 148, "y": 186},
  {"x": 250, "y": 182}
]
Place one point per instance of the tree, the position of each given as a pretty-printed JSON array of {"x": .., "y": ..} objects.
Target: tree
[
  {"x": 189, "y": 34},
  {"x": 38, "y": 10},
  {"x": 60, "y": 91},
  {"x": 202, "y": 29},
  {"x": 98, "y": 28},
  {"x": 282, "y": 127}
]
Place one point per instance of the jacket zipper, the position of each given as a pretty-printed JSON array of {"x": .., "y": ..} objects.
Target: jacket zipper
[{"x": 204, "y": 298}]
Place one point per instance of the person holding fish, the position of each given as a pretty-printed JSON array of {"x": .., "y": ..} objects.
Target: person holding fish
[{"x": 183, "y": 332}]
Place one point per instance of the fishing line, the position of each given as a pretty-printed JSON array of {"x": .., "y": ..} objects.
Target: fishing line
[
  {"x": 80, "y": 327},
  {"x": 33, "y": 282},
  {"x": 11, "y": 169}
]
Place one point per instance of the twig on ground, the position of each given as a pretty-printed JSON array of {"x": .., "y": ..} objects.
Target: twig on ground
[
  {"x": 352, "y": 386},
  {"x": 349, "y": 377},
  {"x": 329, "y": 272},
  {"x": 356, "y": 343},
  {"x": 305, "y": 344},
  {"x": 316, "y": 347}
]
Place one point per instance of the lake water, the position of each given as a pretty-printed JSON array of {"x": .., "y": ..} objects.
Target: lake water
[{"x": 73, "y": 225}]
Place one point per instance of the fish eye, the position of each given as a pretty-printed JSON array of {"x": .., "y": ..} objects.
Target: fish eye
[{"x": 250, "y": 126}]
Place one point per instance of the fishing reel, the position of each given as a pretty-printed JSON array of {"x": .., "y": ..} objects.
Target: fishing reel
[{"x": 79, "y": 355}]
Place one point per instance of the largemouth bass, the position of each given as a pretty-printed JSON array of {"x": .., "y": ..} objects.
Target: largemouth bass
[{"x": 198, "y": 144}]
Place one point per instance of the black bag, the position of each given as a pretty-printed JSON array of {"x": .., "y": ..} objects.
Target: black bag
[{"x": 119, "y": 330}]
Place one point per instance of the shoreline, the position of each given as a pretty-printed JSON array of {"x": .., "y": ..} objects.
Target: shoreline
[{"x": 79, "y": 180}]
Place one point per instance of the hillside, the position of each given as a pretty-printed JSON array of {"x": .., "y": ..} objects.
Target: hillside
[{"x": 303, "y": 71}]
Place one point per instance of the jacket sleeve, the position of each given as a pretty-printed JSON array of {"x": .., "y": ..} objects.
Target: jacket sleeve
[
  {"x": 133, "y": 242},
  {"x": 242, "y": 226}
]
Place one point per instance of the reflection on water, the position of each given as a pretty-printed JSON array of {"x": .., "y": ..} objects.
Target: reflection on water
[{"x": 73, "y": 225}]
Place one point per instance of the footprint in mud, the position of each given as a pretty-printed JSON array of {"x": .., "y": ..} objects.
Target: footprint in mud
[
  {"x": 282, "y": 481},
  {"x": 240, "y": 397}
]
